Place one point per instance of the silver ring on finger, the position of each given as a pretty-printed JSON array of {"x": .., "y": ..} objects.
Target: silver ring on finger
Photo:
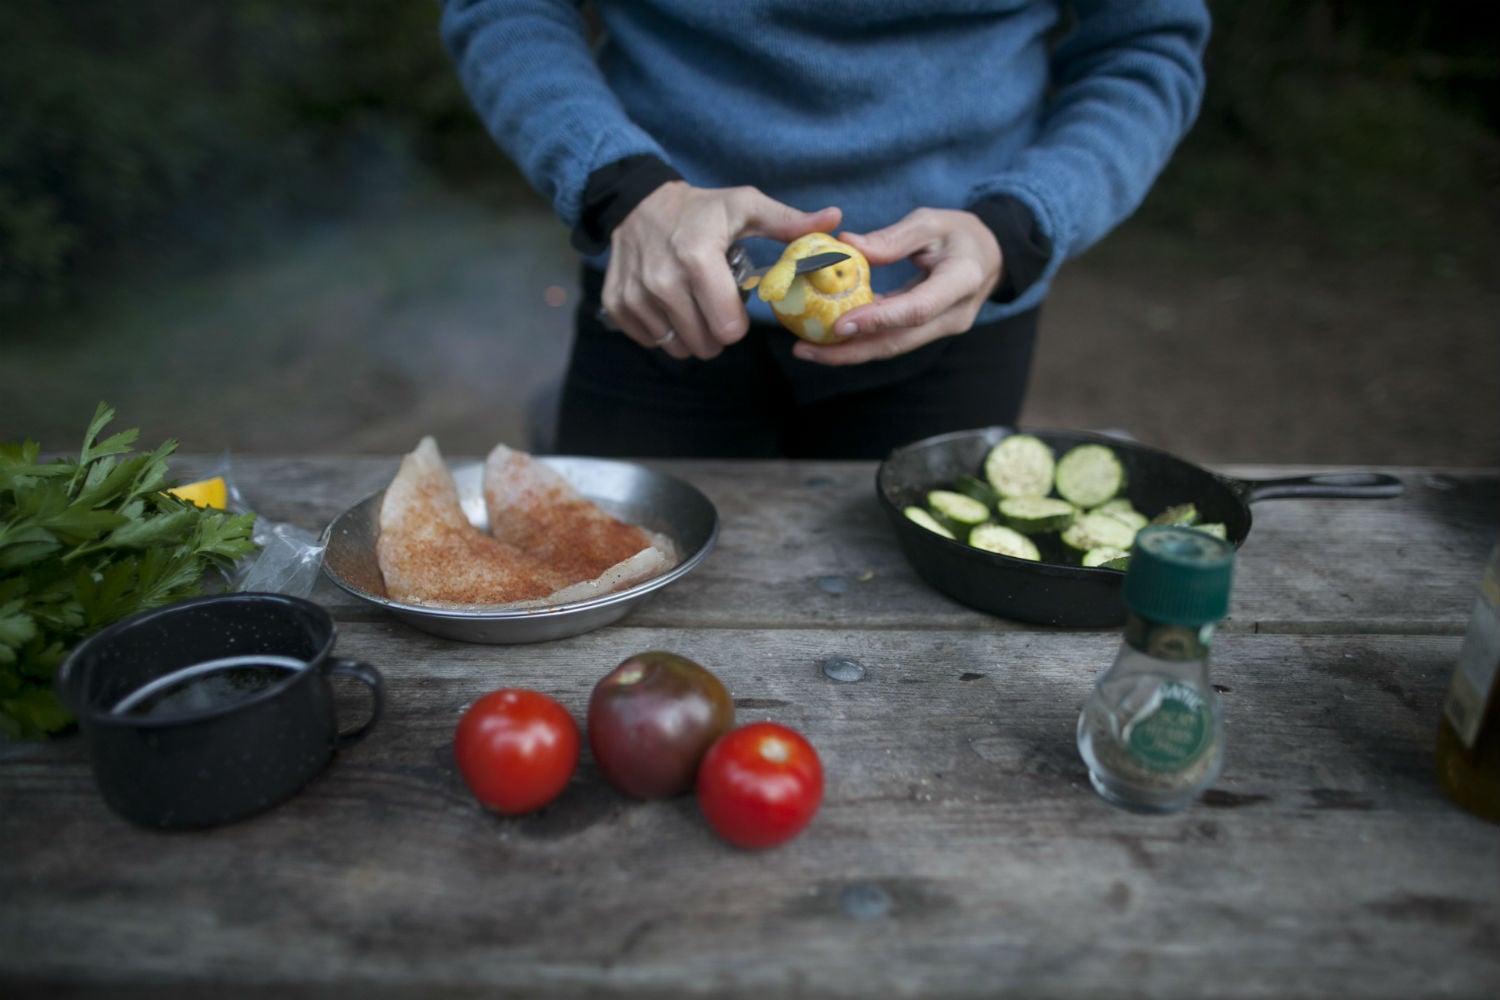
[{"x": 666, "y": 338}]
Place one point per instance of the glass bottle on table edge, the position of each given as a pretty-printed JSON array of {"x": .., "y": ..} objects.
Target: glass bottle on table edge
[
  {"x": 1150, "y": 731},
  {"x": 1468, "y": 738}
]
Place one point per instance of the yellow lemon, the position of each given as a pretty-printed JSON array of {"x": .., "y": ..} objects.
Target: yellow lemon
[
  {"x": 205, "y": 493},
  {"x": 810, "y": 304}
]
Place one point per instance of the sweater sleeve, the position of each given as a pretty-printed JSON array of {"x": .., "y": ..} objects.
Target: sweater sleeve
[
  {"x": 1127, "y": 84},
  {"x": 528, "y": 68},
  {"x": 611, "y": 193},
  {"x": 1025, "y": 250}
]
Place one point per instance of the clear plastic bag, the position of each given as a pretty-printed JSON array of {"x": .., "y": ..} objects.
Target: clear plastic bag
[
  {"x": 288, "y": 559},
  {"x": 287, "y": 563}
]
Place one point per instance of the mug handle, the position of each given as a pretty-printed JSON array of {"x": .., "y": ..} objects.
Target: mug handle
[{"x": 371, "y": 678}]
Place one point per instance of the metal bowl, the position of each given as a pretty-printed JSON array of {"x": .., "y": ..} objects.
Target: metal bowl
[{"x": 652, "y": 500}]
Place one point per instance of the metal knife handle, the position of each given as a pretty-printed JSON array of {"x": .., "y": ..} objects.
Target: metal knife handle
[{"x": 740, "y": 266}]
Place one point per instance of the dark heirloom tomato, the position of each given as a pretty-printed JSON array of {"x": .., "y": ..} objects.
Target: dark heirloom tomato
[
  {"x": 650, "y": 721},
  {"x": 516, "y": 749},
  {"x": 760, "y": 785}
]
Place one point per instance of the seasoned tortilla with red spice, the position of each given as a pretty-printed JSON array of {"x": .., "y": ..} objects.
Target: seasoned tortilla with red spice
[{"x": 547, "y": 544}]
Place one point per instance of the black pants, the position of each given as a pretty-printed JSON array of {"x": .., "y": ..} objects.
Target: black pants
[{"x": 755, "y": 400}]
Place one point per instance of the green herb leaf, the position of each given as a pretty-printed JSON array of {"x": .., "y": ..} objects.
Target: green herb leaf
[
  {"x": 85, "y": 542},
  {"x": 16, "y": 630},
  {"x": 31, "y": 713}
]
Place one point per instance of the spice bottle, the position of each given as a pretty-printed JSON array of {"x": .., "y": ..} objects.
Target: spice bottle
[
  {"x": 1150, "y": 730},
  {"x": 1468, "y": 741}
]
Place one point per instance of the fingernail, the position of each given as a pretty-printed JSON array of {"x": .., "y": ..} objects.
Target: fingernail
[
  {"x": 804, "y": 353},
  {"x": 846, "y": 329}
]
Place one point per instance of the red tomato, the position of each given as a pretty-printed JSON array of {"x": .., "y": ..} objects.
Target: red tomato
[
  {"x": 760, "y": 785},
  {"x": 652, "y": 718},
  {"x": 516, "y": 750}
]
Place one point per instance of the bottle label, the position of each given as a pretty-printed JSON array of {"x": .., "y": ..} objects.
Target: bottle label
[
  {"x": 1177, "y": 731},
  {"x": 1478, "y": 665}
]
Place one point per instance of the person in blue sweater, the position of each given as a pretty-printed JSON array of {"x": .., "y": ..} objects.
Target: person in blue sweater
[{"x": 966, "y": 147}]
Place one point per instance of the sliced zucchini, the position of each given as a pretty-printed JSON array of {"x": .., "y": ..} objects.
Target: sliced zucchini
[
  {"x": 1089, "y": 474},
  {"x": 1214, "y": 528},
  {"x": 1108, "y": 558},
  {"x": 1117, "y": 505},
  {"x": 1122, "y": 511},
  {"x": 978, "y": 489},
  {"x": 1004, "y": 541},
  {"x": 957, "y": 507},
  {"x": 917, "y": 515},
  {"x": 1097, "y": 531},
  {"x": 1184, "y": 514},
  {"x": 1036, "y": 515},
  {"x": 1020, "y": 466}
]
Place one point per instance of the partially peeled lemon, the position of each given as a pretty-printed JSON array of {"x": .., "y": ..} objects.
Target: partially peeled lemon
[{"x": 810, "y": 304}]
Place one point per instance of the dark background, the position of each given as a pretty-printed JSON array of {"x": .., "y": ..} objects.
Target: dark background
[{"x": 277, "y": 226}]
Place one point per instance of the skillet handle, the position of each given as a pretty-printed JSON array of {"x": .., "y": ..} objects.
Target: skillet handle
[{"x": 1329, "y": 485}]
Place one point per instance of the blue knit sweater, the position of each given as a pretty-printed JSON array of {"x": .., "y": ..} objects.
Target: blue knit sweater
[{"x": 876, "y": 106}]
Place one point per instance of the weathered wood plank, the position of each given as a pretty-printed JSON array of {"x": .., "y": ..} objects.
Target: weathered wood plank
[
  {"x": 960, "y": 851},
  {"x": 806, "y": 545}
]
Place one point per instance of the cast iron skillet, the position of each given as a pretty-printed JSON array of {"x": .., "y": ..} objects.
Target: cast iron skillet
[{"x": 1052, "y": 594}]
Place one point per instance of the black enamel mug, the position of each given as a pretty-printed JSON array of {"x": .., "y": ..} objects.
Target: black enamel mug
[{"x": 212, "y": 709}]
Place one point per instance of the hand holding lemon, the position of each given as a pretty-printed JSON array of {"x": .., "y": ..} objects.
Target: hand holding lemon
[
  {"x": 960, "y": 263},
  {"x": 666, "y": 286}
]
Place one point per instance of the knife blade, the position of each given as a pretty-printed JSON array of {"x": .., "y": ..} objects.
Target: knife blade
[{"x": 747, "y": 275}]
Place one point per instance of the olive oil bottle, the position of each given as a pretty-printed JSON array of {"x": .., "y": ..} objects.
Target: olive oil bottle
[{"x": 1468, "y": 740}]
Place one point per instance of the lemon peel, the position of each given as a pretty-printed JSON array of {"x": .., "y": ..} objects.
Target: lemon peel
[
  {"x": 773, "y": 287},
  {"x": 810, "y": 304}
]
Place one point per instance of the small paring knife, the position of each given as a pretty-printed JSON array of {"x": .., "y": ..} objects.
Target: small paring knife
[{"x": 747, "y": 275}]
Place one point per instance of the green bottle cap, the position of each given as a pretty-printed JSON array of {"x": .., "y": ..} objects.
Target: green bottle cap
[{"x": 1179, "y": 576}]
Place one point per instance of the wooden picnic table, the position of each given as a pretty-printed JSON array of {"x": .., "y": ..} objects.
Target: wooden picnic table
[{"x": 960, "y": 850}]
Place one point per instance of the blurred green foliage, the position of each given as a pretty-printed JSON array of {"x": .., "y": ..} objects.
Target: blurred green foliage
[
  {"x": 1347, "y": 129},
  {"x": 126, "y": 128},
  {"x": 123, "y": 123}
]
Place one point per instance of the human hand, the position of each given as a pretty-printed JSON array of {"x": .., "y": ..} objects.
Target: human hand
[
  {"x": 962, "y": 261},
  {"x": 668, "y": 285}
]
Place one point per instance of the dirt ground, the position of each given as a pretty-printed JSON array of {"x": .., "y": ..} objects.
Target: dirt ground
[{"x": 431, "y": 315}]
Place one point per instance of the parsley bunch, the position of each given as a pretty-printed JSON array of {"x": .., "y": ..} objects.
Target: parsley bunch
[{"x": 84, "y": 543}]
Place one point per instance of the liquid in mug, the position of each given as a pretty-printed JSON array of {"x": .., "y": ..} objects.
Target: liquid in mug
[{"x": 207, "y": 687}]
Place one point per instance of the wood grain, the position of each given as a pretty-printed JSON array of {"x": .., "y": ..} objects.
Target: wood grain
[
  {"x": 960, "y": 850},
  {"x": 806, "y": 545}
]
